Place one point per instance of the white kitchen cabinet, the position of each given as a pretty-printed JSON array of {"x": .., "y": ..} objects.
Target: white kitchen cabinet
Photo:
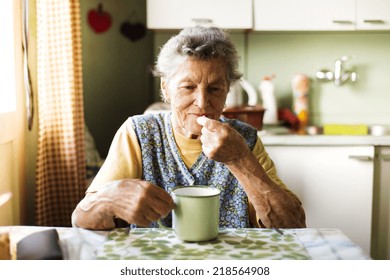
[
  {"x": 334, "y": 183},
  {"x": 373, "y": 14},
  {"x": 304, "y": 15},
  {"x": 381, "y": 209},
  {"x": 178, "y": 14},
  {"x": 317, "y": 15}
]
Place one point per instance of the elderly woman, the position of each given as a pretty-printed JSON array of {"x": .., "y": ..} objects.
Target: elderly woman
[{"x": 191, "y": 145}]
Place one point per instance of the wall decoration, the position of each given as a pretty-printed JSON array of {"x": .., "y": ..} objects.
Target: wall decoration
[
  {"x": 133, "y": 29},
  {"x": 99, "y": 20}
]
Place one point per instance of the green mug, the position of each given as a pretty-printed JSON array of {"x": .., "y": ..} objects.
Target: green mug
[{"x": 196, "y": 214}]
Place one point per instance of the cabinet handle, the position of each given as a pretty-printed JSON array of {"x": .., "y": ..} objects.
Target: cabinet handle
[
  {"x": 361, "y": 158},
  {"x": 202, "y": 21},
  {"x": 384, "y": 157},
  {"x": 340, "y": 21},
  {"x": 374, "y": 21}
]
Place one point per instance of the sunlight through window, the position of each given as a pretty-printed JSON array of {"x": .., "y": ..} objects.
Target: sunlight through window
[{"x": 7, "y": 58}]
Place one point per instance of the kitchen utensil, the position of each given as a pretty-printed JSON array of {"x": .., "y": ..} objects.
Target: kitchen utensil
[
  {"x": 235, "y": 95},
  {"x": 252, "y": 115}
]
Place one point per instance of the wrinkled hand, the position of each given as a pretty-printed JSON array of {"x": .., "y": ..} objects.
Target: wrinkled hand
[
  {"x": 220, "y": 141},
  {"x": 134, "y": 201}
]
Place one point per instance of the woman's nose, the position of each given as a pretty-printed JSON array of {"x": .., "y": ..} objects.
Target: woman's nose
[{"x": 201, "y": 99}]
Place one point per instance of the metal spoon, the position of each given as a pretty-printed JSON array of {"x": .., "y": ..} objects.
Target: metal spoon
[{"x": 277, "y": 230}]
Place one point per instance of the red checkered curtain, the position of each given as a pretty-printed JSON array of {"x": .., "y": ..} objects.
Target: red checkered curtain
[{"x": 61, "y": 168}]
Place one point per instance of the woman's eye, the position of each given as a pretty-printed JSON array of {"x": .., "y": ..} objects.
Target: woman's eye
[
  {"x": 215, "y": 89},
  {"x": 188, "y": 87}
]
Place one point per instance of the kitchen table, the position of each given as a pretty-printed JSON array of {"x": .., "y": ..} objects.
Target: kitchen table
[{"x": 146, "y": 243}]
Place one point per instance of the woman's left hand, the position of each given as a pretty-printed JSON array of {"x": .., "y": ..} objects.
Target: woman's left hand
[{"x": 221, "y": 142}]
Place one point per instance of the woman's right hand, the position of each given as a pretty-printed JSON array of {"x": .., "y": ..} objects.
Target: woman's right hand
[{"x": 133, "y": 200}]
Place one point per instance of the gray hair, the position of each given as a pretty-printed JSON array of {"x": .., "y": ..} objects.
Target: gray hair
[{"x": 199, "y": 42}]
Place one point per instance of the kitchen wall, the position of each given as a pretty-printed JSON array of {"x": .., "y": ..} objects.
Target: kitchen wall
[
  {"x": 116, "y": 77},
  {"x": 287, "y": 53}
]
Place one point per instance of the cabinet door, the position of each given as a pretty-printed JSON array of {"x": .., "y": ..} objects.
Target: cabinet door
[
  {"x": 373, "y": 14},
  {"x": 335, "y": 185},
  {"x": 304, "y": 15},
  {"x": 177, "y": 14}
]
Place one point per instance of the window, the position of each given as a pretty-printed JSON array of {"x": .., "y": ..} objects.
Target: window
[{"x": 7, "y": 58}]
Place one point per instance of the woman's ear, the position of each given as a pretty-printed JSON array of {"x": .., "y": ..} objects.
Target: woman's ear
[{"x": 164, "y": 90}]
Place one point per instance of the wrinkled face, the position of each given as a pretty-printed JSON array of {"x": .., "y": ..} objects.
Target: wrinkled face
[{"x": 197, "y": 88}]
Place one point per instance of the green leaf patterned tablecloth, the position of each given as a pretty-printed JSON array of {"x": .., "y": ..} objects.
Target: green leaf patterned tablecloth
[{"x": 161, "y": 244}]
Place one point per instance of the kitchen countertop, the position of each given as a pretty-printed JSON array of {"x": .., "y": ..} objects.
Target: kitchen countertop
[{"x": 270, "y": 139}]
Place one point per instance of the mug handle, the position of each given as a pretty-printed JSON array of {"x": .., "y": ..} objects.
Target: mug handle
[{"x": 160, "y": 224}]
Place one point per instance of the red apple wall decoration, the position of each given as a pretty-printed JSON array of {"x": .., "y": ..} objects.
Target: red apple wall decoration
[{"x": 99, "y": 20}]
